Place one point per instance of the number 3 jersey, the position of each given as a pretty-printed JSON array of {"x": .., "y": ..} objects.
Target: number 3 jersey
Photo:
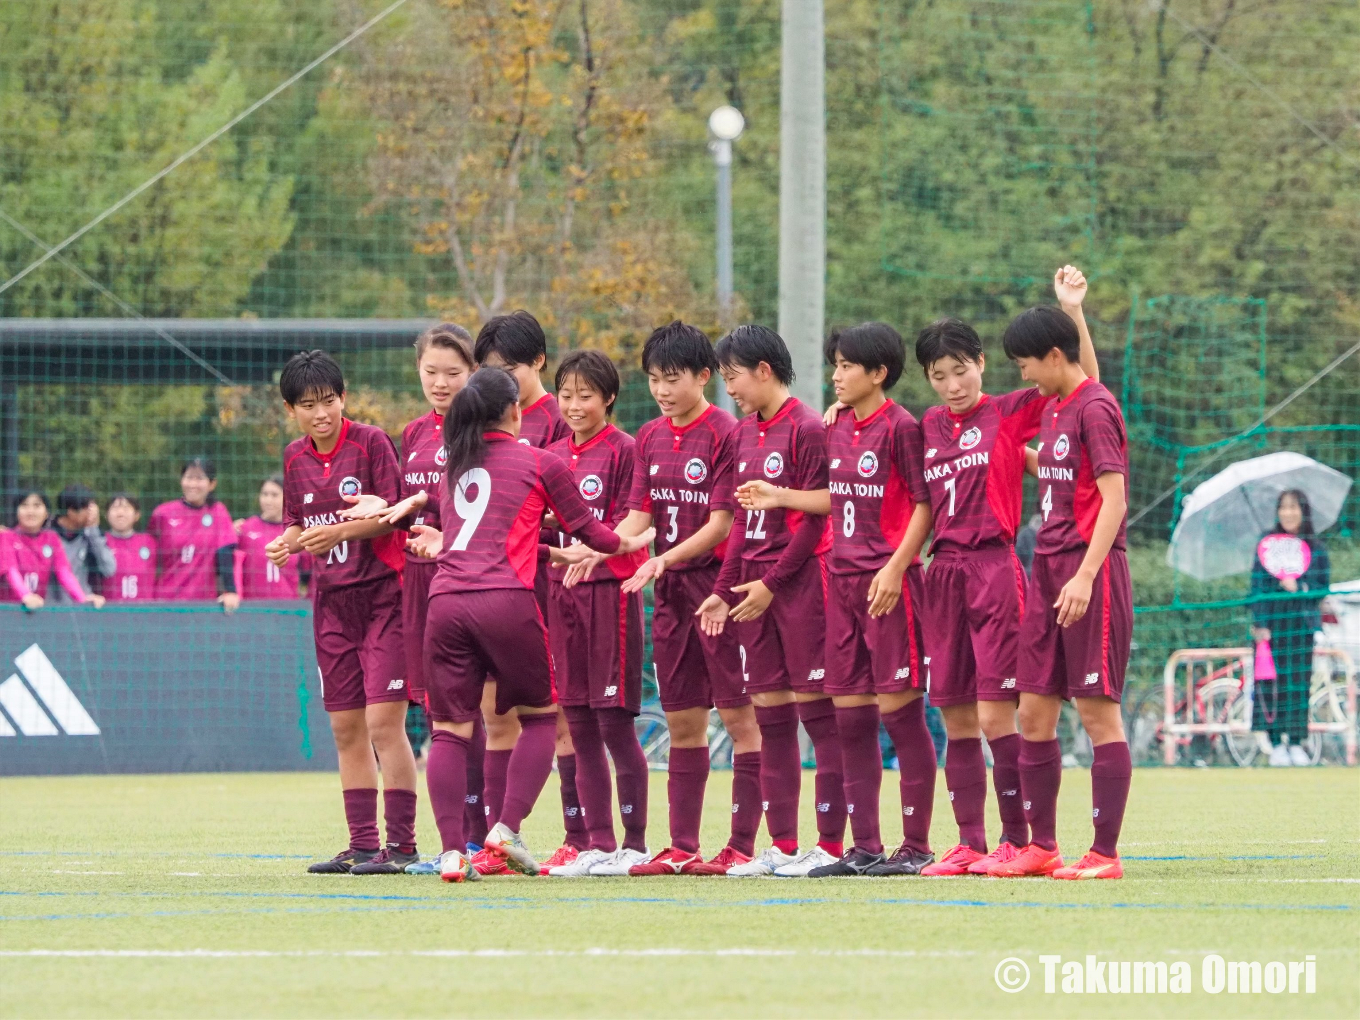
[
  {"x": 603, "y": 469},
  {"x": 363, "y": 462},
  {"x": 1080, "y": 439}
]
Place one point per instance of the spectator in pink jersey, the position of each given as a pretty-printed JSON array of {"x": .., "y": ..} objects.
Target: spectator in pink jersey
[
  {"x": 256, "y": 576},
  {"x": 195, "y": 540},
  {"x": 134, "y": 553},
  {"x": 33, "y": 556}
]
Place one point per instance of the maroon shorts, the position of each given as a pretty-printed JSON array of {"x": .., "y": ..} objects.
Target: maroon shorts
[
  {"x": 693, "y": 670},
  {"x": 595, "y": 633},
  {"x": 785, "y": 647},
  {"x": 359, "y": 649},
  {"x": 1088, "y": 658},
  {"x": 415, "y": 604},
  {"x": 470, "y": 635},
  {"x": 868, "y": 655},
  {"x": 972, "y": 624}
]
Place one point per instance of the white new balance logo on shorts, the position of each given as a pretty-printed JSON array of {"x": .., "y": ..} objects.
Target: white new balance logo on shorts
[
  {"x": 396, "y": 685},
  {"x": 1007, "y": 685},
  {"x": 816, "y": 674},
  {"x": 902, "y": 673},
  {"x": 1093, "y": 678},
  {"x": 609, "y": 692}
]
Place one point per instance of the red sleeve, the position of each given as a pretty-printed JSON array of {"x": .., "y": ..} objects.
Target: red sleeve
[
  {"x": 559, "y": 492},
  {"x": 1023, "y": 407},
  {"x": 724, "y": 492},
  {"x": 384, "y": 467},
  {"x": 909, "y": 458},
  {"x": 730, "y": 571},
  {"x": 1103, "y": 440},
  {"x": 810, "y": 473}
]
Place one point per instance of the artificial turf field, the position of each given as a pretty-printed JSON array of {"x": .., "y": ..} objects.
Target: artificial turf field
[{"x": 185, "y": 896}]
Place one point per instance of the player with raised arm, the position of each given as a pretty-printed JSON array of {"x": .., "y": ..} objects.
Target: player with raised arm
[
  {"x": 773, "y": 585},
  {"x": 195, "y": 540},
  {"x": 257, "y": 577},
  {"x": 356, "y": 607},
  {"x": 134, "y": 552},
  {"x": 1078, "y": 622}
]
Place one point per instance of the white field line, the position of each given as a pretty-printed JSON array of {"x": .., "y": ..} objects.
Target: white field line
[{"x": 663, "y": 951}]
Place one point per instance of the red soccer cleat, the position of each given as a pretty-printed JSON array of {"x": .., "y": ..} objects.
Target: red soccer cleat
[
  {"x": 1032, "y": 860},
  {"x": 562, "y": 855},
  {"x": 1003, "y": 854},
  {"x": 956, "y": 862},
  {"x": 727, "y": 858},
  {"x": 487, "y": 863},
  {"x": 668, "y": 862},
  {"x": 1093, "y": 865}
]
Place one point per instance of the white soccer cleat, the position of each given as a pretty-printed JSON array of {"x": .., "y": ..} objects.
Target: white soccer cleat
[
  {"x": 502, "y": 843},
  {"x": 762, "y": 866},
  {"x": 581, "y": 865},
  {"x": 803, "y": 863},
  {"x": 456, "y": 867},
  {"x": 619, "y": 862}
]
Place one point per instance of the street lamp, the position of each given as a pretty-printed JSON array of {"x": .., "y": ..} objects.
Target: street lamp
[{"x": 725, "y": 124}]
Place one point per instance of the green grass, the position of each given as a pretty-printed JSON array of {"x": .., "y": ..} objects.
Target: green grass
[{"x": 1249, "y": 864}]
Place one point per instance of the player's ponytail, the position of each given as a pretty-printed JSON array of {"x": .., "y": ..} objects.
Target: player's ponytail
[{"x": 478, "y": 406}]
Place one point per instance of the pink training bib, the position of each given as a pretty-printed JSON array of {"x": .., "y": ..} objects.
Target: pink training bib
[{"x": 1284, "y": 556}]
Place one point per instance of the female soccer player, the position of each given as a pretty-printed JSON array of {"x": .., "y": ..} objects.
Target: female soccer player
[
  {"x": 484, "y": 618},
  {"x": 35, "y": 557},
  {"x": 256, "y": 575},
  {"x": 1078, "y": 622},
  {"x": 134, "y": 552},
  {"x": 195, "y": 540}
]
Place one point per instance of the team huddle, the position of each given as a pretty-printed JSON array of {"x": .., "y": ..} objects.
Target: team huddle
[{"x": 493, "y": 572}]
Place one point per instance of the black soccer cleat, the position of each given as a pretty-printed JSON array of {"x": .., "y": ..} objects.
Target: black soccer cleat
[
  {"x": 906, "y": 861},
  {"x": 854, "y": 864},
  {"x": 390, "y": 860},
  {"x": 343, "y": 862}
]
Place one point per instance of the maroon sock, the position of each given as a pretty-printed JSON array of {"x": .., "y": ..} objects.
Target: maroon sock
[
  {"x": 630, "y": 773},
  {"x": 399, "y": 811},
  {"x": 592, "y": 778},
  {"x": 745, "y": 802},
  {"x": 573, "y": 818},
  {"x": 685, "y": 789},
  {"x": 819, "y": 719},
  {"x": 916, "y": 760},
  {"x": 1111, "y": 774},
  {"x": 781, "y": 770},
  {"x": 1040, "y": 777},
  {"x": 474, "y": 810},
  {"x": 530, "y": 765},
  {"x": 1006, "y": 783},
  {"x": 361, "y": 811},
  {"x": 862, "y": 758},
  {"x": 496, "y": 765},
  {"x": 446, "y": 774},
  {"x": 965, "y": 774}
]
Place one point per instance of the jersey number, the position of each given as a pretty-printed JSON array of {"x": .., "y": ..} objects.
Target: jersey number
[
  {"x": 186, "y": 555},
  {"x": 673, "y": 532},
  {"x": 1047, "y": 504},
  {"x": 755, "y": 524},
  {"x": 470, "y": 510},
  {"x": 949, "y": 486},
  {"x": 272, "y": 574},
  {"x": 848, "y": 521},
  {"x": 129, "y": 586},
  {"x": 31, "y": 582},
  {"x": 339, "y": 553}
]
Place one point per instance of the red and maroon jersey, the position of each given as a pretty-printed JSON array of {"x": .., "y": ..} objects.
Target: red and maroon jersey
[
  {"x": 135, "y": 580},
  {"x": 876, "y": 482},
  {"x": 187, "y": 539},
  {"x": 542, "y": 423},
  {"x": 364, "y": 461},
  {"x": 32, "y": 562},
  {"x": 603, "y": 469},
  {"x": 422, "y": 466},
  {"x": 1080, "y": 439},
  {"x": 256, "y": 576},
  {"x": 492, "y": 515},
  {"x": 975, "y": 467},
  {"x": 682, "y": 474}
]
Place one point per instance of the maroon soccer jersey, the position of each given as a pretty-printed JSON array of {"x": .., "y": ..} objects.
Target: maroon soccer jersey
[
  {"x": 135, "y": 580},
  {"x": 876, "y": 482},
  {"x": 975, "y": 465},
  {"x": 493, "y": 512},
  {"x": 602, "y": 467},
  {"x": 256, "y": 576},
  {"x": 363, "y": 462},
  {"x": 682, "y": 474},
  {"x": 542, "y": 423},
  {"x": 422, "y": 466},
  {"x": 187, "y": 539},
  {"x": 1080, "y": 439}
]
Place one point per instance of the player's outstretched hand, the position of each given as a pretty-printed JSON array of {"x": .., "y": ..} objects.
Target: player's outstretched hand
[
  {"x": 758, "y": 495},
  {"x": 712, "y": 615},
  {"x": 405, "y": 508},
  {"x": 362, "y": 507},
  {"x": 97, "y": 601},
  {"x": 1070, "y": 286},
  {"x": 885, "y": 590},
  {"x": 1073, "y": 600},
  {"x": 32, "y": 601},
  {"x": 629, "y": 544},
  {"x": 649, "y": 571},
  {"x": 832, "y": 413},
  {"x": 582, "y": 569},
  {"x": 230, "y": 602},
  {"x": 276, "y": 552},
  {"x": 425, "y": 541},
  {"x": 758, "y": 599},
  {"x": 320, "y": 539}
]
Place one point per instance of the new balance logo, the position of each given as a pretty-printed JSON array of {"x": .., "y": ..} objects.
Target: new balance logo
[
  {"x": 396, "y": 685},
  {"x": 736, "y": 808},
  {"x": 25, "y": 711},
  {"x": 822, "y": 807},
  {"x": 610, "y": 691},
  {"x": 951, "y": 796},
  {"x": 909, "y": 810},
  {"x": 1009, "y": 793},
  {"x": 1027, "y": 804},
  {"x": 307, "y": 498},
  {"x": 849, "y": 809},
  {"x": 1007, "y": 685},
  {"x": 902, "y": 673},
  {"x": 571, "y": 812},
  {"x": 835, "y": 463},
  {"x": 1093, "y": 678},
  {"x": 471, "y": 798},
  {"x": 1095, "y": 812},
  {"x": 816, "y": 674},
  {"x": 764, "y": 805},
  {"x": 625, "y": 809}
]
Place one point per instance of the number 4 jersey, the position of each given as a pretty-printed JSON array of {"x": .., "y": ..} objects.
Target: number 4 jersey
[{"x": 1080, "y": 439}]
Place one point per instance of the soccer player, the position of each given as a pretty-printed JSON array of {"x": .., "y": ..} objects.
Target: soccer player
[
  {"x": 134, "y": 553},
  {"x": 1078, "y": 622},
  {"x": 35, "y": 557},
  {"x": 256, "y": 575},
  {"x": 195, "y": 540},
  {"x": 356, "y": 608},
  {"x": 484, "y": 616},
  {"x": 875, "y": 651},
  {"x": 773, "y": 585}
]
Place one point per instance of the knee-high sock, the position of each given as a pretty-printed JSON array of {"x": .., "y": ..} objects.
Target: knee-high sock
[
  {"x": 916, "y": 760},
  {"x": 862, "y": 758},
  {"x": 361, "y": 812},
  {"x": 745, "y": 802},
  {"x": 592, "y": 777},
  {"x": 630, "y": 773},
  {"x": 1111, "y": 774},
  {"x": 1006, "y": 782},
  {"x": 399, "y": 812},
  {"x": 819, "y": 719},
  {"x": 474, "y": 810},
  {"x": 446, "y": 775},
  {"x": 781, "y": 772},
  {"x": 530, "y": 766},
  {"x": 573, "y": 818},
  {"x": 497, "y": 764},
  {"x": 965, "y": 773},
  {"x": 685, "y": 790},
  {"x": 1040, "y": 777}
]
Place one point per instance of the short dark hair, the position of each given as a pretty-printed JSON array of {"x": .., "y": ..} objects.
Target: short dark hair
[
  {"x": 947, "y": 338},
  {"x": 871, "y": 345},
  {"x": 74, "y": 497},
  {"x": 595, "y": 368},
  {"x": 275, "y": 479},
  {"x": 1036, "y": 331},
  {"x": 20, "y": 497},
  {"x": 311, "y": 373},
  {"x": 516, "y": 338},
  {"x": 678, "y": 347},
  {"x": 204, "y": 463},
  {"x": 747, "y": 346},
  {"x": 127, "y": 498}
]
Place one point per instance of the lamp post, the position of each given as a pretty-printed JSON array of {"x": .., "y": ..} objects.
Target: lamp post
[{"x": 725, "y": 124}]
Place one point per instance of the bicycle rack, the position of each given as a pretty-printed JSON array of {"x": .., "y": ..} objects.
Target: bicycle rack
[
  {"x": 1232, "y": 662},
  {"x": 1346, "y": 726}
]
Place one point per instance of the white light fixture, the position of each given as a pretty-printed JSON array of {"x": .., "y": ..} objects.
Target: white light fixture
[{"x": 726, "y": 123}]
